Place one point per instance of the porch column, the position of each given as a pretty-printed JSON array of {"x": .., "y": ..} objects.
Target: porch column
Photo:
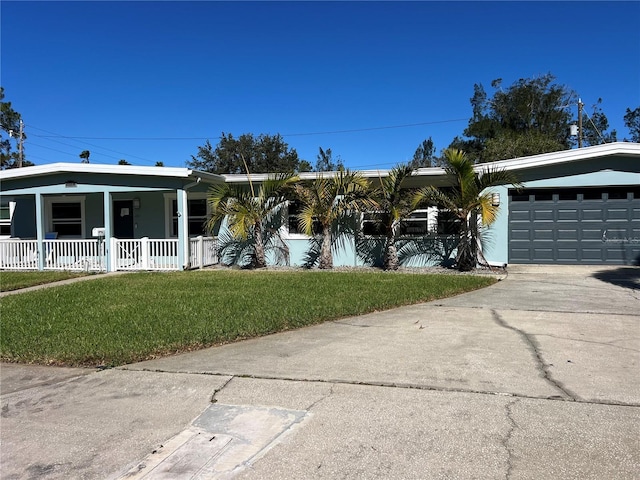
[
  {"x": 40, "y": 230},
  {"x": 183, "y": 229},
  {"x": 107, "y": 231}
]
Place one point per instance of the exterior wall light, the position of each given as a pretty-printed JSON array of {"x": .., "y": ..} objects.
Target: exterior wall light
[
  {"x": 495, "y": 199},
  {"x": 136, "y": 203}
]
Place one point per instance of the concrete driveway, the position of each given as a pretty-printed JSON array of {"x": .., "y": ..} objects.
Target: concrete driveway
[{"x": 535, "y": 377}]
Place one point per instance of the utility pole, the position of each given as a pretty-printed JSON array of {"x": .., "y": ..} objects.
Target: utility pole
[
  {"x": 580, "y": 105},
  {"x": 20, "y": 144}
]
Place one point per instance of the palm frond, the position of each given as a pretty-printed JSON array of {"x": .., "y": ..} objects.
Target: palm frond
[{"x": 432, "y": 249}]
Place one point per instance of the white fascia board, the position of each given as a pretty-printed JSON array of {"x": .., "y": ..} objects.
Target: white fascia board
[
  {"x": 565, "y": 156},
  {"x": 261, "y": 177},
  {"x": 53, "y": 168}
]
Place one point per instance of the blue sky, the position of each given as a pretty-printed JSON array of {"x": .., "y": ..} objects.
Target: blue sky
[{"x": 150, "y": 81}]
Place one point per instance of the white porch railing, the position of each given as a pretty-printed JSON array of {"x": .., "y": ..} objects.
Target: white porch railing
[
  {"x": 19, "y": 254},
  {"x": 89, "y": 255},
  {"x": 203, "y": 252},
  {"x": 145, "y": 254}
]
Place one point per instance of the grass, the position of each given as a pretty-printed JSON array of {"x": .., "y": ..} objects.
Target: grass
[
  {"x": 16, "y": 280},
  {"x": 112, "y": 321}
]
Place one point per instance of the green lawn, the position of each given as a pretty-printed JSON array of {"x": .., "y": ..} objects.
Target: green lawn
[
  {"x": 16, "y": 280},
  {"x": 126, "y": 318}
]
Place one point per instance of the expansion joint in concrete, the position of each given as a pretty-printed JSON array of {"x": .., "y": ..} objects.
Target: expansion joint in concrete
[{"x": 533, "y": 347}]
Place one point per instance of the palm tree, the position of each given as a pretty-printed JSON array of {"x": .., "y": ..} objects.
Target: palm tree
[
  {"x": 468, "y": 199},
  {"x": 326, "y": 200},
  {"x": 84, "y": 155},
  {"x": 248, "y": 212},
  {"x": 394, "y": 204}
]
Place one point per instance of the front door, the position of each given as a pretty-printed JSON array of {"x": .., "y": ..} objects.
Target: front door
[{"x": 123, "y": 218}]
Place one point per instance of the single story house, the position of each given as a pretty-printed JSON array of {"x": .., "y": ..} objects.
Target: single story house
[{"x": 579, "y": 206}]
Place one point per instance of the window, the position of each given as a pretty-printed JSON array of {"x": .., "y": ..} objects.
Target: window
[
  {"x": 373, "y": 223},
  {"x": 197, "y": 217},
  {"x": 416, "y": 224},
  {"x": 544, "y": 196},
  {"x": 516, "y": 197},
  {"x": 419, "y": 223},
  {"x": 617, "y": 194},
  {"x": 293, "y": 222},
  {"x": 592, "y": 194},
  {"x": 66, "y": 216},
  {"x": 6, "y": 211},
  {"x": 448, "y": 223},
  {"x": 567, "y": 196}
]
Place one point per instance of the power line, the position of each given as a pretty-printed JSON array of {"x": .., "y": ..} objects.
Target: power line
[
  {"x": 55, "y": 135},
  {"x": 68, "y": 145},
  {"x": 329, "y": 132},
  {"x": 49, "y": 148},
  {"x": 375, "y": 128}
]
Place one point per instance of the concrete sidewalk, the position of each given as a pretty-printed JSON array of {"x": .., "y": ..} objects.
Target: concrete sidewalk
[{"x": 535, "y": 377}]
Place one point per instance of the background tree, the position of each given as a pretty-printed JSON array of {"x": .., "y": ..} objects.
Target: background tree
[
  {"x": 122, "y": 161},
  {"x": 394, "y": 203},
  {"x": 263, "y": 154},
  {"x": 10, "y": 128},
  {"x": 249, "y": 211},
  {"x": 632, "y": 122},
  {"x": 84, "y": 155},
  {"x": 594, "y": 127},
  {"x": 159, "y": 164},
  {"x": 530, "y": 117},
  {"x": 424, "y": 155},
  {"x": 468, "y": 199},
  {"x": 326, "y": 163},
  {"x": 326, "y": 200}
]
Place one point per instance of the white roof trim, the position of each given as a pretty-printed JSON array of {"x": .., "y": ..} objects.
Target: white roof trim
[
  {"x": 564, "y": 156},
  {"x": 567, "y": 156},
  {"x": 52, "y": 168}
]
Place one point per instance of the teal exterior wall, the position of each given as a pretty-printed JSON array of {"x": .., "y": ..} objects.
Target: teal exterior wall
[
  {"x": 94, "y": 213},
  {"x": 149, "y": 219}
]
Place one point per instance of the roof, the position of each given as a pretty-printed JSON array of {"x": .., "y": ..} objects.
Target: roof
[{"x": 618, "y": 149}]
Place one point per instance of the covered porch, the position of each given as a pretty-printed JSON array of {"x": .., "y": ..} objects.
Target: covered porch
[{"x": 105, "y": 218}]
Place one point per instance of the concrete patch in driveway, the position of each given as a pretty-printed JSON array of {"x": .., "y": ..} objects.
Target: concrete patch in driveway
[{"x": 219, "y": 443}]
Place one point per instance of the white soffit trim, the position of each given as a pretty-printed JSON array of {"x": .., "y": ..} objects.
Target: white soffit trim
[
  {"x": 566, "y": 156},
  {"x": 52, "y": 168}
]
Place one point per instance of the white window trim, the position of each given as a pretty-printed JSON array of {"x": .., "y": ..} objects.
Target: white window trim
[
  {"x": 8, "y": 221},
  {"x": 169, "y": 198},
  {"x": 48, "y": 208},
  {"x": 431, "y": 219}
]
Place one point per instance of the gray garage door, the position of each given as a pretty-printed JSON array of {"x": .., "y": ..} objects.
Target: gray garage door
[{"x": 575, "y": 226}]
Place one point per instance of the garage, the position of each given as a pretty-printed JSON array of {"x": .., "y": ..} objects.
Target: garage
[{"x": 599, "y": 225}]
